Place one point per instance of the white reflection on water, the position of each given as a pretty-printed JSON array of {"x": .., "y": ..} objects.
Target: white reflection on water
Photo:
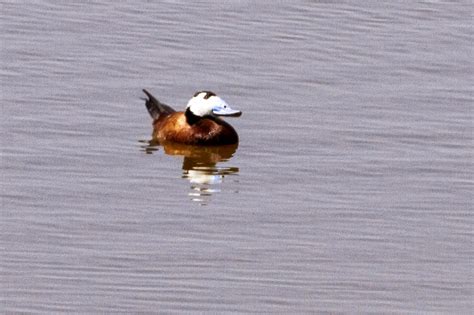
[{"x": 200, "y": 166}]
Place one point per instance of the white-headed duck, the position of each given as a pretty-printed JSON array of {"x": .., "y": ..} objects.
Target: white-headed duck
[{"x": 199, "y": 124}]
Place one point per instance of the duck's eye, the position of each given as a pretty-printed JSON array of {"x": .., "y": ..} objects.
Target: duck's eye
[{"x": 225, "y": 106}]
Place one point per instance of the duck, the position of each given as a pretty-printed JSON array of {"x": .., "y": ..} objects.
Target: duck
[{"x": 199, "y": 124}]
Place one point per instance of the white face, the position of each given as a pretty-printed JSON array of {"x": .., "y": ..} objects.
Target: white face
[{"x": 208, "y": 104}]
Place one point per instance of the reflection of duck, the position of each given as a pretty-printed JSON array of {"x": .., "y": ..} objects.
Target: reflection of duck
[
  {"x": 200, "y": 166},
  {"x": 199, "y": 163},
  {"x": 198, "y": 125},
  {"x": 208, "y": 155}
]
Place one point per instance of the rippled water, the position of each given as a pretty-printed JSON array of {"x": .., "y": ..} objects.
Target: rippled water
[{"x": 350, "y": 190}]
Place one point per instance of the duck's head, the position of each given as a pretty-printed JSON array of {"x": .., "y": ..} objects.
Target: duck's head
[{"x": 206, "y": 103}]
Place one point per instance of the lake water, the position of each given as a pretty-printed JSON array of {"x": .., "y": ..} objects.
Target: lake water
[{"x": 350, "y": 190}]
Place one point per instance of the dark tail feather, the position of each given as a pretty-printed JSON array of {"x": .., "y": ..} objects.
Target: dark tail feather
[{"x": 155, "y": 107}]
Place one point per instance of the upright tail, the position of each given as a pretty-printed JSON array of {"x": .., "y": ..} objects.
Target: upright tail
[{"x": 155, "y": 107}]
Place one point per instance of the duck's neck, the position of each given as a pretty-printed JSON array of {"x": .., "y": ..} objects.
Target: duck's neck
[{"x": 190, "y": 117}]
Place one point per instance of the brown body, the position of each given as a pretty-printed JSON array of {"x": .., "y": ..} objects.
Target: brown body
[{"x": 176, "y": 127}]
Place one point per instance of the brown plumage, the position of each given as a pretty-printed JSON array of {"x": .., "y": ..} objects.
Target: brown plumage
[{"x": 187, "y": 128}]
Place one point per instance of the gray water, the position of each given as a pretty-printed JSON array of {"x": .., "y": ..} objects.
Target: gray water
[{"x": 350, "y": 191}]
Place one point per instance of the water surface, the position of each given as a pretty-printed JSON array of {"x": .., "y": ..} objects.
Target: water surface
[{"x": 350, "y": 190}]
